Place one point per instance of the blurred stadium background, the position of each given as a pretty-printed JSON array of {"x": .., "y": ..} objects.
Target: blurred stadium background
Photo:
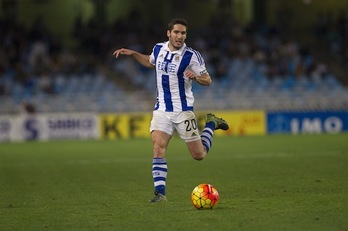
[
  {"x": 271, "y": 55},
  {"x": 278, "y": 66}
]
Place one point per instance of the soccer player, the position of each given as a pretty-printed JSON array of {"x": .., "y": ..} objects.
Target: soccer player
[{"x": 177, "y": 65}]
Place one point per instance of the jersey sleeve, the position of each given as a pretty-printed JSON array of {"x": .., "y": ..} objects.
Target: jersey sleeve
[
  {"x": 152, "y": 58},
  {"x": 197, "y": 64},
  {"x": 155, "y": 51}
]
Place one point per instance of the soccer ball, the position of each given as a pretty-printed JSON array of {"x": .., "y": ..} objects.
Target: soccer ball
[{"x": 204, "y": 196}]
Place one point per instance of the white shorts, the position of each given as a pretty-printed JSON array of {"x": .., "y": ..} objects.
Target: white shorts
[{"x": 185, "y": 123}]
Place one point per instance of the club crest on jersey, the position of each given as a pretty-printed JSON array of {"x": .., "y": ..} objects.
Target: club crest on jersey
[{"x": 177, "y": 58}]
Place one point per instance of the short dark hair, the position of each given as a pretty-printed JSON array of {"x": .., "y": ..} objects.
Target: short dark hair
[{"x": 174, "y": 21}]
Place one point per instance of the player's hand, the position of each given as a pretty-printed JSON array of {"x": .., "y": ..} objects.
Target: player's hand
[
  {"x": 190, "y": 74},
  {"x": 122, "y": 51}
]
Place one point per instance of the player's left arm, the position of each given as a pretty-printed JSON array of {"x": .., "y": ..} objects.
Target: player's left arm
[
  {"x": 203, "y": 79},
  {"x": 197, "y": 70}
]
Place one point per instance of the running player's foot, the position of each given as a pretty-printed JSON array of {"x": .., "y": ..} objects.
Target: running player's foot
[
  {"x": 219, "y": 122},
  {"x": 159, "y": 197}
]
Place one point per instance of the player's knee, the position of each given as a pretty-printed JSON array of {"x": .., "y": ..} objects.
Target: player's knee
[
  {"x": 159, "y": 150},
  {"x": 198, "y": 155},
  {"x": 199, "y": 158}
]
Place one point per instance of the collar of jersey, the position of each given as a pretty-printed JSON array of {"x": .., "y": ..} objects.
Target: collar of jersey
[{"x": 179, "y": 52}]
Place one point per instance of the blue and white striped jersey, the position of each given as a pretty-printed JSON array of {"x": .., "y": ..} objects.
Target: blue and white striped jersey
[{"x": 174, "y": 90}]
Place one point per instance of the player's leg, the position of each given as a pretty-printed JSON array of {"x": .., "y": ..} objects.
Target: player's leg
[
  {"x": 186, "y": 125},
  {"x": 161, "y": 132},
  {"x": 212, "y": 123},
  {"x": 218, "y": 122},
  {"x": 160, "y": 142},
  {"x": 196, "y": 149},
  {"x": 199, "y": 146}
]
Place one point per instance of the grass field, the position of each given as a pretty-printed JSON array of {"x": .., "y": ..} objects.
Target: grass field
[{"x": 279, "y": 182}]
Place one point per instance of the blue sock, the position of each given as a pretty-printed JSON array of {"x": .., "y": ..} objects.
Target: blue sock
[
  {"x": 207, "y": 135},
  {"x": 159, "y": 174}
]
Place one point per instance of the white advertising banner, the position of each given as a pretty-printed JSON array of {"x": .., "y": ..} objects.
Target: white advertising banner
[
  {"x": 49, "y": 127},
  {"x": 6, "y": 124}
]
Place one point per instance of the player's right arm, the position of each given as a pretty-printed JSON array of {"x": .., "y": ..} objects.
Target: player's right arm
[{"x": 141, "y": 58}]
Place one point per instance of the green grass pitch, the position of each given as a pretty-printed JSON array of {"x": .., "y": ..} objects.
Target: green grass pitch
[{"x": 275, "y": 182}]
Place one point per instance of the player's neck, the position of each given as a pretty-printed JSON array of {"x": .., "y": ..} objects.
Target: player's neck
[{"x": 172, "y": 48}]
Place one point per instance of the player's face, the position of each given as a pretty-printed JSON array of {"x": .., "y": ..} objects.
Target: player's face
[{"x": 177, "y": 37}]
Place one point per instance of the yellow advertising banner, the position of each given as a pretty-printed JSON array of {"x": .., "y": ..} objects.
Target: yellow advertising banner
[
  {"x": 240, "y": 122},
  {"x": 136, "y": 125},
  {"x": 124, "y": 126}
]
